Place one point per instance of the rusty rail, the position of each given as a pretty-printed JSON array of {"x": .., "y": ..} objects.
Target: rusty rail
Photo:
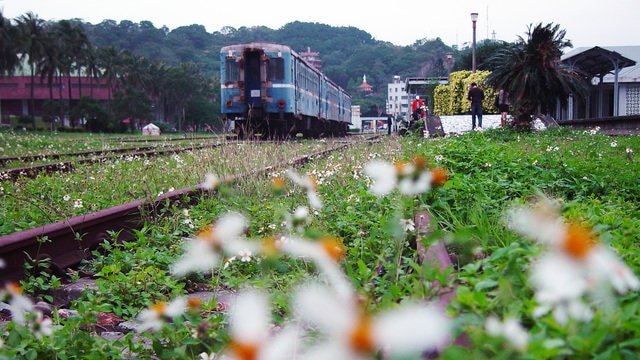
[
  {"x": 28, "y": 158},
  {"x": 70, "y": 241},
  {"x": 68, "y": 166}
]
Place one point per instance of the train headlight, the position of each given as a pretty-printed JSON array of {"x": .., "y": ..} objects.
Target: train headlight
[
  {"x": 228, "y": 103},
  {"x": 281, "y": 103}
]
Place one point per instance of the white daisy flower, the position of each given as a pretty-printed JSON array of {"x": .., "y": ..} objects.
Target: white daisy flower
[
  {"x": 205, "y": 250},
  {"x": 384, "y": 177},
  {"x": 159, "y": 313},
  {"x": 411, "y": 328},
  {"x": 510, "y": 329},
  {"x": 252, "y": 334},
  {"x": 407, "y": 225},
  {"x": 211, "y": 181},
  {"x": 309, "y": 185}
]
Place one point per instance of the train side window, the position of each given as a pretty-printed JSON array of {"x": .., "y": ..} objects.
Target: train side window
[
  {"x": 232, "y": 69},
  {"x": 276, "y": 69}
]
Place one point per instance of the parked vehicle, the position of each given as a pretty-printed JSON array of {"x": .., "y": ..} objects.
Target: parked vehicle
[{"x": 268, "y": 90}]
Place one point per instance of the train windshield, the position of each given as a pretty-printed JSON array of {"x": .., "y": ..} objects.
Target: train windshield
[
  {"x": 276, "y": 69},
  {"x": 232, "y": 70}
]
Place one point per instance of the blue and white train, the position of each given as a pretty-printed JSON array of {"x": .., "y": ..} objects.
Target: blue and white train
[{"x": 270, "y": 91}]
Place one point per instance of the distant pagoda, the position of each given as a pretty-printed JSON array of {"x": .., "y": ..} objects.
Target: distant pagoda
[
  {"x": 365, "y": 88},
  {"x": 312, "y": 58}
]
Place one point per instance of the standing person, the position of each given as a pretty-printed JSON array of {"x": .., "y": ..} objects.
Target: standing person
[
  {"x": 476, "y": 95},
  {"x": 416, "y": 108},
  {"x": 389, "y": 123},
  {"x": 503, "y": 106}
]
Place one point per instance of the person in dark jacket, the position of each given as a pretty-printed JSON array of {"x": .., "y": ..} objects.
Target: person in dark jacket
[
  {"x": 503, "y": 106},
  {"x": 476, "y": 96}
]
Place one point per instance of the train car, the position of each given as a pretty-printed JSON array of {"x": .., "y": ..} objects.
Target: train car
[{"x": 268, "y": 90}]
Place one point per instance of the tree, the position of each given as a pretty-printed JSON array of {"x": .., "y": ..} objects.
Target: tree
[
  {"x": 110, "y": 61},
  {"x": 184, "y": 82},
  {"x": 97, "y": 119},
  {"x": 48, "y": 66},
  {"x": 533, "y": 74},
  {"x": 91, "y": 68},
  {"x": 8, "y": 45},
  {"x": 32, "y": 44},
  {"x": 74, "y": 46},
  {"x": 132, "y": 103}
]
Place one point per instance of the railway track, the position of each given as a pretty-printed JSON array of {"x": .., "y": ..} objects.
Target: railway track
[
  {"x": 68, "y": 242},
  {"x": 68, "y": 166},
  {"x": 32, "y": 158}
]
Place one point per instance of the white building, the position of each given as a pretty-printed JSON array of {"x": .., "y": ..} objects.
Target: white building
[
  {"x": 397, "y": 99},
  {"x": 356, "y": 121}
]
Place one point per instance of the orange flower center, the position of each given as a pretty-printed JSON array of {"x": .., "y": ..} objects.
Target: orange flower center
[
  {"x": 579, "y": 241},
  {"x": 278, "y": 184},
  {"x": 207, "y": 234},
  {"x": 440, "y": 176},
  {"x": 314, "y": 183},
  {"x": 333, "y": 247},
  {"x": 420, "y": 163},
  {"x": 194, "y": 303},
  {"x": 270, "y": 246},
  {"x": 159, "y": 307},
  {"x": 361, "y": 336},
  {"x": 244, "y": 351},
  {"x": 400, "y": 166},
  {"x": 14, "y": 288}
]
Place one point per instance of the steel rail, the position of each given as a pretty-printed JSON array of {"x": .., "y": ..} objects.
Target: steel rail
[
  {"x": 66, "y": 243},
  {"x": 68, "y": 166},
  {"x": 28, "y": 158}
]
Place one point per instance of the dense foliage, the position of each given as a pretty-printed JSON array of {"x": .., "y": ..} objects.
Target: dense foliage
[
  {"x": 496, "y": 305},
  {"x": 347, "y": 53},
  {"x": 139, "y": 56}
]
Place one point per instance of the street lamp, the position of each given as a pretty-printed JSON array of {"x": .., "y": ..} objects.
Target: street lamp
[{"x": 474, "y": 18}]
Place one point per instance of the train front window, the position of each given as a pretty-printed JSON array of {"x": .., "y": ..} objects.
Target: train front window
[
  {"x": 276, "y": 69},
  {"x": 232, "y": 69}
]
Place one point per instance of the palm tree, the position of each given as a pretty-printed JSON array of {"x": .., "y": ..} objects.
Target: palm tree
[
  {"x": 48, "y": 67},
  {"x": 32, "y": 44},
  {"x": 157, "y": 86},
  {"x": 9, "y": 59},
  {"x": 110, "y": 61},
  {"x": 532, "y": 73},
  {"x": 91, "y": 68},
  {"x": 74, "y": 44}
]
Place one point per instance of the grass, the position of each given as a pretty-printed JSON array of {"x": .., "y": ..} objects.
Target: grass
[
  {"x": 593, "y": 176},
  {"x": 28, "y": 203}
]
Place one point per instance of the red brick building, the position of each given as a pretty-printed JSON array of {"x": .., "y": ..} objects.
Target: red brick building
[{"x": 15, "y": 93}]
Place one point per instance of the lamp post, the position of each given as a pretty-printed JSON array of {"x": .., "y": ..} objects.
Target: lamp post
[{"x": 474, "y": 18}]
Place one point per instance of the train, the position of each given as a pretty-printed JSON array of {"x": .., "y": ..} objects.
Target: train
[{"x": 269, "y": 91}]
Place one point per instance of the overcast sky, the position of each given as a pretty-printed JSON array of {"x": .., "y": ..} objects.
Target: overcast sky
[{"x": 401, "y": 22}]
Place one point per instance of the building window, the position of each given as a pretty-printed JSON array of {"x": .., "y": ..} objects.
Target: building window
[{"x": 633, "y": 100}]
